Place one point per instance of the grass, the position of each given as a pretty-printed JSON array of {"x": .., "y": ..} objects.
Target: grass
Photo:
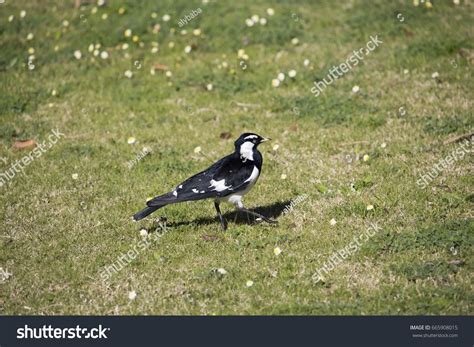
[{"x": 58, "y": 233}]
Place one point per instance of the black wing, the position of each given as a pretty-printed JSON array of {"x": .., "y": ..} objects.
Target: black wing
[{"x": 221, "y": 179}]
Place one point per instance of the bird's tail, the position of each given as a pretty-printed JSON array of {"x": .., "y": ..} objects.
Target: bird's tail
[{"x": 145, "y": 212}]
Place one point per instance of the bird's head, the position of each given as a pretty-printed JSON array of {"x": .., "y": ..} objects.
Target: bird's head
[{"x": 247, "y": 142}]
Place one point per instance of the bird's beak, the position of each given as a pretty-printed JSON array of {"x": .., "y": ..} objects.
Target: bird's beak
[{"x": 265, "y": 139}]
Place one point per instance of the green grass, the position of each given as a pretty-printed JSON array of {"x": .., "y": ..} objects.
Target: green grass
[{"x": 57, "y": 233}]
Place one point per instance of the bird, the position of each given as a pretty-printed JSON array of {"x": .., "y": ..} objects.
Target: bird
[{"x": 227, "y": 180}]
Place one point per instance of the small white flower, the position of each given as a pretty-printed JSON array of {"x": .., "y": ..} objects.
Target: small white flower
[
  {"x": 197, "y": 149},
  {"x": 306, "y": 62},
  {"x": 222, "y": 271},
  {"x": 30, "y": 36},
  {"x": 100, "y": 2},
  {"x": 183, "y": 32},
  {"x": 188, "y": 49},
  {"x": 332, "y": 222},
  {"x": 275, "y": 82},
  {"x": 75, "y": 176},
  {"x": 249, "y": 283},
  {"x": 128, "y": 74},
  {"x": 78, "y": 54},
  {"x": 275, "y": 147},
  {"x": 166, "y": 18},
  {"x": 22, "y": 14},
  {"x": 270, "y": 11},
  {"x": 154, "y": 50},
  {"x": 249, "y": 22},
  {"x": 154, "y": 15},
  {"x": 365, "y": 157},
  {"x": 125, "y": 46},
  {"x": 171, "y": 44},
  {"x": 197, "y": 32},
  {"x": 96, "y": 52},
  {"x": 292, "y": 73},
  {"x": 435, "y": 75},
  {"x": 143, "y": 232},
  {"x": 406, "y": 71},
  {"x": 105, "y": 16},
  {"x": 54, "y": 92},
  {"x": 263, "y": 21},
  {"x": 128, "y": 32},
  {"x": 277, "y": 251},
  {"x": 65, "y": 23},
  {"x": 370, "y": 207},
  {"x": 294, "y": 41},
  {"x": 132, "y": 295},
  {"x": 131, "y": 140},
  {"x": 281, "y": 76},
  {"x": 355, "y": 89},
  {"x": 283, "y": 176},
  {"x": 31, "y": 50},
  {"x": 168, "y": 74},
  {"x": 209, "y": 87},
  {"x": 383, "y": 145},
  {"x": 240, "y": 53},
  {"x": 104, "y": 55},
  {"x": 11, "y": 18},
  {"x": 255, "y": 18}
]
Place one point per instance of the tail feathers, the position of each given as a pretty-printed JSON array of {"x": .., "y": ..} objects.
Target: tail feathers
[
  {"x": 162, "y": 200},
  {"x": 145, "y": 212}
]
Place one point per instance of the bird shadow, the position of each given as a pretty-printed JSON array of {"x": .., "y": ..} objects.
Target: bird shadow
[{"x": 272, "y": 211}]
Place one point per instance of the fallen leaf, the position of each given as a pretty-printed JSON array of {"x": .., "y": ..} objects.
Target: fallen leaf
[
  {"x": 160, "y": 67},
  {"x": 225, "y": 135},
  {"x": 24, "y": 144}
]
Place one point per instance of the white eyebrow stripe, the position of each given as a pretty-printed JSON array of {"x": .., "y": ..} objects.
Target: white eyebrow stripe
[{"x": 250, "y": 137}]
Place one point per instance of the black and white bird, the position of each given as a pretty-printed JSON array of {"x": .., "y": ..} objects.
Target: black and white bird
[{"x": 229, "y": 179}]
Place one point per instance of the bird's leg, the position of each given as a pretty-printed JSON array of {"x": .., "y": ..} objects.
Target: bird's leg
[
  {"x": 268, "y": 220},
  {"x": 222, "y": 219}
]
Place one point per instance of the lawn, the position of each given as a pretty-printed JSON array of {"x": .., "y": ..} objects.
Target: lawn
[{"x": 127, "y": 99}]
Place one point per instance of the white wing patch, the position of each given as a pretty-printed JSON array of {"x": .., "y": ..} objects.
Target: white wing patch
[
  {"x": 175, "y": 193},
  {"x": 253, "y": 176},
  {"x": 195, "y": 190},
  {"x": 219, "y": 185}
]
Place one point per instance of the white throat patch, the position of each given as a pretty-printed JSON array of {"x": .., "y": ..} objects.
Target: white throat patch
[{"x": 246, "y": 150}]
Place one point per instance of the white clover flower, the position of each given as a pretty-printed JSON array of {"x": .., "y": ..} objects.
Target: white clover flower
[
  {"x": 275, "y": 147},
  {"x": 292, "y": 73},
  {"x": 249, "y": 22},
  {"x": 365, "y": 157},
  {"x": 183, "y": 32},
  {"x": 131, "y": 140},
  {"x": 188, "y": 49},
  {"x": 370, "y": 207},
  {"x": 166, "y": 18},
  {"x": 31, "y": 50},
  {"x": 75, "y": 176},
  {"x": 30, "y": 36},
  {"x": 22, "y": 14},
  {"x": 143, "y": 232},
  {"x": 128, "y": 74},
  {"x": 249, "y": 283},
  {"x": 105, "y": 16},
  {"x": 91, "y": 48},
  {"x": 240, "y": 53},
  {"x": 96, "y": 52},
  {"x": 11, "y": 18},
  {"x": 406, "y": 71},
  {"x": 222, "y": 271},
  {"x": 100, "y": 2},
  {"x": 197, "y": 149},
  {"x": 281, "y": 76},
  {"x": 152, "y": 72},
  {"x": 171, "y": 44},
  {"x": 154, "y": 15},
  {"x": 275, "y": 82},
  {"x": 168, "y": 74},
  {"x": 54, "y": 92},
  {"x": 263, "y": 21},
  {"x": 125, "y": 46},
  {"x": 277, "y": 251},
  {"x": 154, "y": 50},
  {"x": 355, "y": 89},
  {"x": 332, "y": 222},
  {"x": 270, "y": 11},
  {"x": 121, "y": 10},
  {"x": 283, "y": 176},
  {"x": 127, "y": 33},
  {"x": 294, "y": 41},
  {"x": 104, "y": 55},
  {"x": 77, "y": 54},
  {"x": 383, "y": 145},
  {"x": 209, "y": 87},
  {"x": 255, "y": 18},
  {"x": 65, "y": 23},
  {"x": 435, "y": 75},
  {"x": 306, "y": 62},
  {"x": 132, "y": 295},
  {"x": 197, "y": 32}
]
